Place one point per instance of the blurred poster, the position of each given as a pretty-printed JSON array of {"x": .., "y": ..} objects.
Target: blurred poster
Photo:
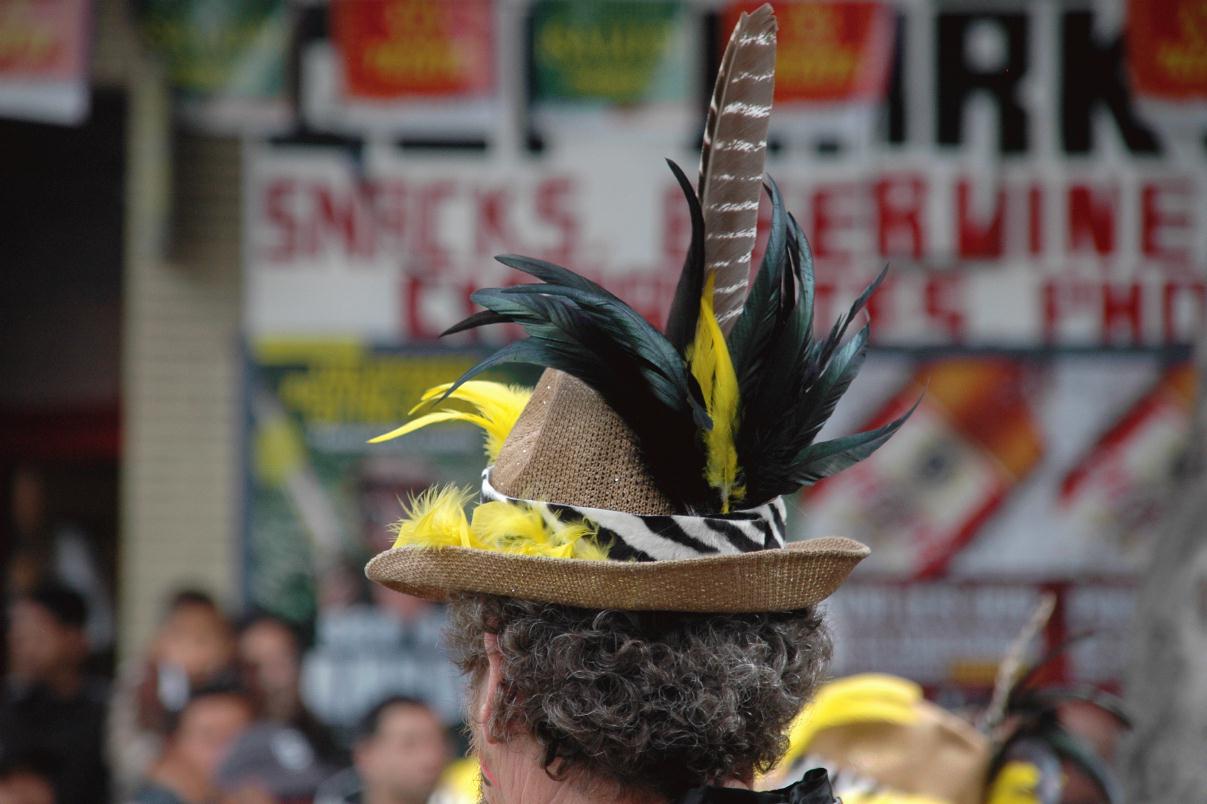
[
  {"x": 600, "y": 66},
  {"x": 1167, "y": 61},
  {"x": 44, "y": 58},
  {"x": 405, "y": 66},
  {"x": 1038, "y": 467},
  {"x": 321, "y": 502},
  {"x": 225, "y": 60},
  {"x": 951, "y": 636},
  {"x": 832, "y": 65}
]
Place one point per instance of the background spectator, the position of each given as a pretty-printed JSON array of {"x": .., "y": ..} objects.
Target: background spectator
[
  {"x": 270, "y": 659},
  {"x": 273, "y": 761},
  {"x": 194, "y": 647},
  {"x": 49, "y": 706},
  {"x": 27, "y": 779},
  {"x": 199, "y": 738},
  {"x": 45, "y": 550},
  {"x": 399, "y": 758}
]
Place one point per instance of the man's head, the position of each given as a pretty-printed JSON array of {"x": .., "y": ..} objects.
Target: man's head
[
  {"x": 46, "y": 634},
  {"x": 270, "y": 656},
  {"x": 402, "y": 751},
  {"x": 652, "y": 702},
  {"x": 195, "y": 636},
  {"x": 201, "y": 734}
]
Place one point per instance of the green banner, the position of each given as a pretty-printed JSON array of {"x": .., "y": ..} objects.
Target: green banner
[
  {"x": 224, "y": 58},
  {"x": 609, "y": 51}
]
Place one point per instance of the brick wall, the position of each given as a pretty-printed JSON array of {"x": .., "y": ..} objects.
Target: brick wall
[{"x": 181, "y": 373}]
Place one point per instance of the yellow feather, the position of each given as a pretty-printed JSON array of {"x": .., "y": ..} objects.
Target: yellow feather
[
  {"x": 712, "y": 367},
  {"x": 494, "y": 407},
  {"x": 436, "y": 518}
]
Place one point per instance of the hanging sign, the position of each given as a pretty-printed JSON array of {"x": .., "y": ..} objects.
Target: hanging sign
[{"x": 44, "y": 60}]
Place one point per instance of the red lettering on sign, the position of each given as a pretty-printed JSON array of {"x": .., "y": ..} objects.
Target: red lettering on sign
[
  {"x": 831, "y": 217},
  {"x": 1164, "y": 217},
  {"x": 899, "y": 203},
  {"x": 979, "y": 239},
  {"x": 281, "y": 221},
  {"x": 1091, "y": 219},
  {"x": 1035, "y": 219},
  {"x": 1121, "y": 312},
  {"x": 339, "y": 217}
]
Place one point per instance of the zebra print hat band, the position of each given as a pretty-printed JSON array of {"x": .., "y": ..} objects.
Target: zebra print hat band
[{"x": 664, "y": 538}]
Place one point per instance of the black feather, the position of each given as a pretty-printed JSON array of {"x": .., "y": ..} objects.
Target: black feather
[
  {"x": 685, "y": 309},
  {"x": 575, "y": 326},
  {"x": 789, "y": 383}
]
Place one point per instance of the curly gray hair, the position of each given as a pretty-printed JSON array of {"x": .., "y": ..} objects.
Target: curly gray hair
[{"x": 655, "y": 701}]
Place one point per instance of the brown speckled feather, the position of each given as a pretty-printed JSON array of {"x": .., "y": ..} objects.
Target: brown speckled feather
[{"x": 731, "y": 161}]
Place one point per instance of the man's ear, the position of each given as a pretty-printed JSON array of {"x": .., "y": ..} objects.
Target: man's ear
[{"x": 491, "y": 684}]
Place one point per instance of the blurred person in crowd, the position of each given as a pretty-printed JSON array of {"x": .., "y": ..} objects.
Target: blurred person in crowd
[
  {"x": 270, "y": 658},
  {"x": 275, "y": 762},
  {"x": 49, "y": 706},
  {"x": 193, "y": 647},
  {"x": 44, "y": 551},
  {"x": 199, "y": 737},
  {"x": 401, "y": 753},
  {"x": 27, "y": 779}
]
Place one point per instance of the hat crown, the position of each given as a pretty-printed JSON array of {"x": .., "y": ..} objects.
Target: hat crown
[{"x": 570, "y": 447}]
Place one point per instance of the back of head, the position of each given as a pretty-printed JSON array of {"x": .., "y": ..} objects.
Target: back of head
[{"x": 653, "y": 702}]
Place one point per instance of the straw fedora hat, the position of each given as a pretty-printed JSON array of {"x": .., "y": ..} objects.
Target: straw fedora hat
[{"x": 647, "y": 469}]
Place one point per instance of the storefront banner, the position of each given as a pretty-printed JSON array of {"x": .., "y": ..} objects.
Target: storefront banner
[
  {"x": 827, "y": 52},
  {"x": 1167, "y": 62},
  {"x": 1029, "y": 254},
  {"x": 392, "y": 49},
  {"x": 832, "y": 68},
  {"x": 44, "y": 58},
  {"x": 613, "y": 63},
  {"x": 405, "y": 67},
  {"x": 225, "y": 60}
]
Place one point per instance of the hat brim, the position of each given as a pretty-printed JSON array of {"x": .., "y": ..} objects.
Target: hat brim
[{"x": 799, "y": 575}]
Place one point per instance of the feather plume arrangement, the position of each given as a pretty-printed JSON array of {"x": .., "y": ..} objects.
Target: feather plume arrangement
[
  {"x": 437, "y": 518},
  {"x": 722, "y": 422},
  {"x": 1034, "y": 733},
  {"x": 493, "y": 406}
]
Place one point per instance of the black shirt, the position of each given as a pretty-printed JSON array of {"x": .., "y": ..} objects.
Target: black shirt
[
  {"x": 814, "y": 788},
  {"x": 69, "y": 732}
]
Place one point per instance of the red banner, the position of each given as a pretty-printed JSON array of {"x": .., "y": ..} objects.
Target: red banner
[
  {"x": 44, "y": 60},
  {"x": 396, "y": 49},
  {"x": 827, "y": 52},
  {"x": 1167, "y": 48},
  {"x": 43, "y": 40}
]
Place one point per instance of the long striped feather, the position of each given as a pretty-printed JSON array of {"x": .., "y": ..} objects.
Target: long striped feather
[{"x": 732, "y": 158}]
